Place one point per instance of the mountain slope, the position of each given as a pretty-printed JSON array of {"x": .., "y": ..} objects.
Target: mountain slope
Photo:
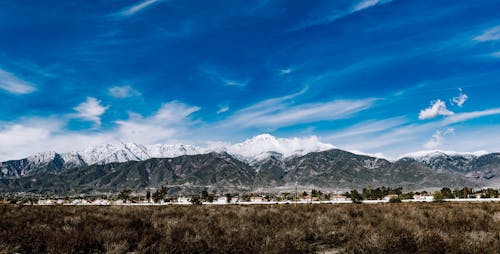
[
  {"x": 344, "y": 170},
  {"x": 188, "y": 172},
  {"x": 327, "y": 170},
  {"x": 479, "y": 165},
  {"x": 252, "y": 150}
]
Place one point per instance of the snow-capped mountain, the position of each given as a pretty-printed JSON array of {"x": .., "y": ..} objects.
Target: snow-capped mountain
[
  {"x": 263, "y": 161},
  {"x": 263, "y": 146},
  {"x": 480, "y": 164},
  {"x": 264, "y": 153},
  {"x": 428, "y": 155},
  {"x": 109, "y": 153},
  {"x": 251, "y": 150}
]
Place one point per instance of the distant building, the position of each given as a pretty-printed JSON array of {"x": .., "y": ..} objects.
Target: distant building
[
  {"x": 339, "y": 198},
  {"x": 423, "y": 198}
]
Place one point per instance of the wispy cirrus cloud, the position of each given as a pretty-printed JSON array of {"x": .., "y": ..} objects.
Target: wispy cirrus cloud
[
  {"x": 369, "y": 127},
  {"x": 492, "y": 34},
  {"x": 222, "y": 109},
  {"x": 224, "y": 77},
  {"x": 123, "y": 91},
  {"x": 281, "y": 111},
  {"x": 367, "y": 4},
  {"x": 170, "y": 120},
  {"x": 336, "y": 14},
  {"x": 134, "y": 9},
  {"x": 466, "y": 116},
  {"x": 13, "y": 84}
]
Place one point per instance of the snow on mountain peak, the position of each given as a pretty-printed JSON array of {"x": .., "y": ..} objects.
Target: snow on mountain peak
[
  {"x": 254, "y": 149},
  {"x": 261, "y": 146},
  {"x": 175, "y": 150},
  {"x": 41, "y": 158},
  {"x": 108, "y": 153},
  {"x": 429, "y": 154}
]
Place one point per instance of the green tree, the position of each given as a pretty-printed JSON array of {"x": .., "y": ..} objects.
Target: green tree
[
  {"x": 447, "y": 193},
  {"x": 489, "y": 193},
  {"x": 355, "y": 196},
  {"x": 159, "y": 194},
  {"x": 438, "y": 197},
  {"x": 204, "y": 195},
  {"x": 228, "y": 197},
  {"x": 125, "y": 195},
  {"x": 148, "y": 195},
  {"x": 195, "y": 200},
  {"x": 395, "y": 200}
]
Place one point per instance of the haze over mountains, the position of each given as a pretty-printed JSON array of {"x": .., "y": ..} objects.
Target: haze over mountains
[{"x": 261, "y": 163}]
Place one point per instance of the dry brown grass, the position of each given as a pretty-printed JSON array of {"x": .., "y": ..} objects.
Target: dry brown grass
[{"x": 381, "y": 228}]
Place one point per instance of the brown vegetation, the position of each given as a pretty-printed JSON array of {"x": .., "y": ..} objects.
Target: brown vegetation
[{"x": 381, "y": 228}]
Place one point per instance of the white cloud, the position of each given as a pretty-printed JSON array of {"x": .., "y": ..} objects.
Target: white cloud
[
  {"x": 174, "y": 111},
  {"x": 496, "y": 54},
  {"x": 225, "y": 78},
  {"x": 369, "y": 127},
  {"x": 437, "y": 108},
  {"x": 12, "y": 84},
  {"x": 91, "y": 110},
  {"x": 368, "y": 3},
  {"x": 462, "y": 117},
  {"x": 31, "y": 135},
  {"x": 14, "y": 134},
  {"x": 405, "y": 138},
  {"x": 437, "y": 138},
  {"x": 286, "y": 71},
  {"x": 123, "y": 91},
  {"x": 131, "y": 10},
  {"x": 281, "y": 112},
  {"x": 491, "y": 34},
  {"x": 338, "y": 14},
  {"x": 222, "y": 109},
  {"x": 460, "y": 99}
]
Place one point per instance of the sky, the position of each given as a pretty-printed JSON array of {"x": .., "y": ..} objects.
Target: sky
[{"x": 376, "y": 76}]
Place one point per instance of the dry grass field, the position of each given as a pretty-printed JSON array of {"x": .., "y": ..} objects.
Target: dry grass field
[{"x": 381, "y": 228}]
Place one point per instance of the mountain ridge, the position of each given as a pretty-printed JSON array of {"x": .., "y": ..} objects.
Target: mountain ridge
[{"x": 264, "y": 162}]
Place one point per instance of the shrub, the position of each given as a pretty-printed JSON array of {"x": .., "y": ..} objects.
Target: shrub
[
  {"x": 395, "y": 200},
  {"x": 438, "y": 197}
]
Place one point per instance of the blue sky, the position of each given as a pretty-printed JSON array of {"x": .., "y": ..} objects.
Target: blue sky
[{"x": 376, "y": 76}]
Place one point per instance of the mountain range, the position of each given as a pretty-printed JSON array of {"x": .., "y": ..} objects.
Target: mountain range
[{"x": 262, "y": 163}]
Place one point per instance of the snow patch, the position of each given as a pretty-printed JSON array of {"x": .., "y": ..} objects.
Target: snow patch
[{"x": 429, "y": 154}]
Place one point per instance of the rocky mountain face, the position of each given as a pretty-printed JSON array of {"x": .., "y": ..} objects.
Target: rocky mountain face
[
  {"x": 188, "y": 172},
  {"x": 251, "y": 150},
  {"x": 327, "y": 170},
  {"x": 101, "y": 154},
  {"x": 260, "y": 163},
  {"x": 345, "y": 170},
  {"x": 481, "y": 166}
]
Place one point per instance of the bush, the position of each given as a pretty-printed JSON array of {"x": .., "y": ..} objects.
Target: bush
[
  {"x": 438, "y": 197},
  {"x": 195, "y": 200},
  {"x": 395, "y": 200}
]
